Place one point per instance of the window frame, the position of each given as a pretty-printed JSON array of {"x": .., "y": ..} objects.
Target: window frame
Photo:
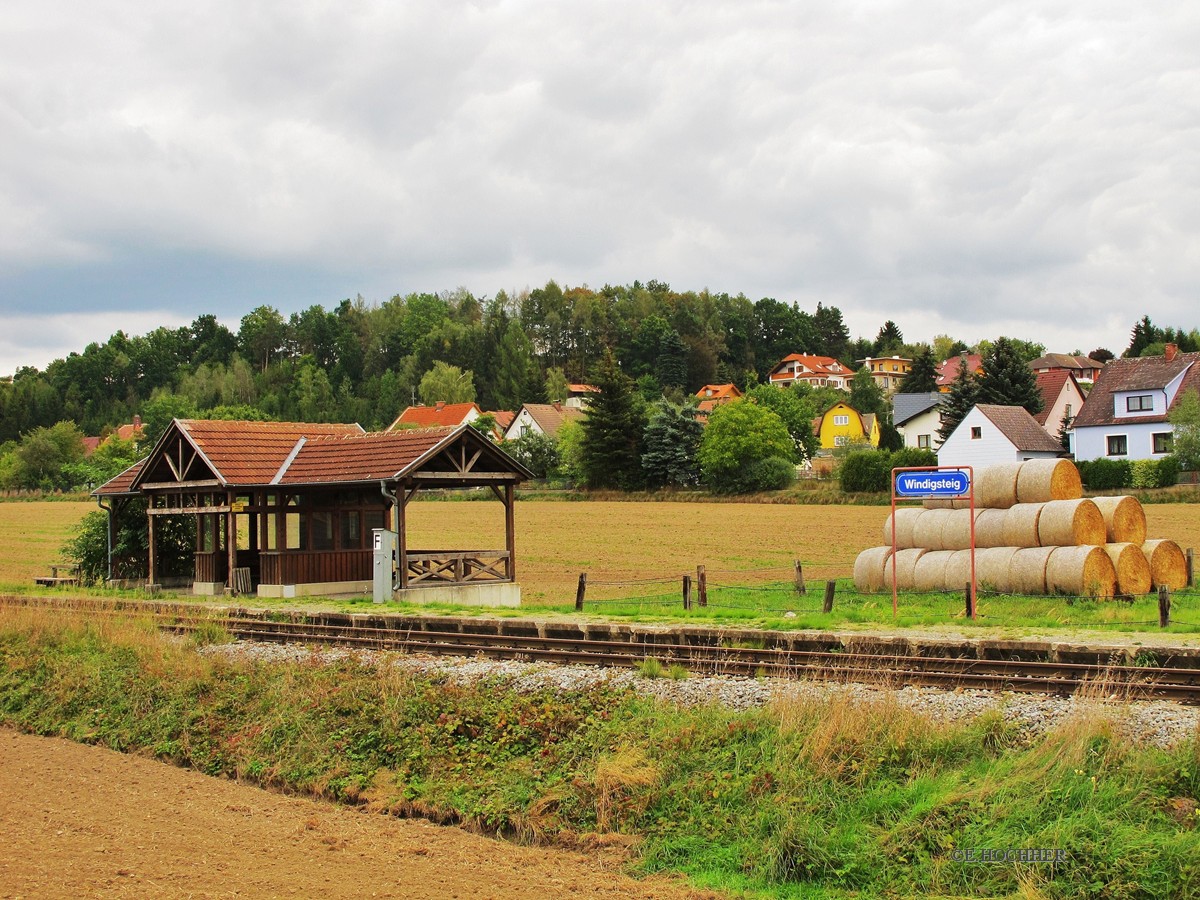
[
  {"x": 1142, "y": 400},
  {"x": 1109, "y": 444}
]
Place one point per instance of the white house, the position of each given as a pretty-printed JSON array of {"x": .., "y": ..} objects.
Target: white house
[
  {"x": 917, "y": 418},
  {"x": 1125, "y": 415},
  {"x": 541, "y": 418},
  {"x": 991, "y": 434}
]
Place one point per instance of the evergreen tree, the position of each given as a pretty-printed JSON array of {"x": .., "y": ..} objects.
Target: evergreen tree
[
  {"x": 922, "y": 378},
  {"x": 959, "y": 400},
  {"x": 890, "y": 340},
  {"x": 1007, "y": 379},
  {"x": 1144, "y": 334},
  {"x": 833, "y": 336},
  {"x": 671, "y": 443},
  {"x": 517, "y": 379},
  {"x": 612, "y": 431},
  {"x": 557, "y": 386},
  {"x": 670, "y": 366}
]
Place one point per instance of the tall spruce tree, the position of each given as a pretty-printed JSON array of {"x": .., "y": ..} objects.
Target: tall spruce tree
[
  {"x": 959, "y": 400},
  {"x": 517, "y": 378},
  {"x": 1007, "y": 379},
  {"x": 671, "y": 442},
  {"x": 612, "y": 431},
  {"x": 922, "y": 377}
]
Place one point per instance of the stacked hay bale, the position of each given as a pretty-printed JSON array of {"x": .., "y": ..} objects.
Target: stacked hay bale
[{"x": 1034, "y": 534}]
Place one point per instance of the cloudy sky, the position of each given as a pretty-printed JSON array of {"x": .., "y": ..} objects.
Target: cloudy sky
[{"x": 971, "y": 168}]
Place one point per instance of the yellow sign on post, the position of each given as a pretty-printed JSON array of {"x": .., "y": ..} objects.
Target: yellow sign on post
[{"x": 239, "y": 506}]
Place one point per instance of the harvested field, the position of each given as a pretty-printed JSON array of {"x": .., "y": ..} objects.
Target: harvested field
[{"x": 610, "y": 540}]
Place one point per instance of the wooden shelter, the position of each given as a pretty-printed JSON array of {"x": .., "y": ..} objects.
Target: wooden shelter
[{"x": 289, "y": 508}]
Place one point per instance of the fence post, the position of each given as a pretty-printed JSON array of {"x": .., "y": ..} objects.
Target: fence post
[
  {"x": 701, "y": 586},
  {"x": 579, "y": 592},
  {"x": 1164, "y": 606},
  {"x": 830, "y": 587},
  {"x": 800, "y": 588},
  {"x": 687, "y": 591},
  {"x": 970, "y": 602},
  {"x": 1191, "y": 567}
]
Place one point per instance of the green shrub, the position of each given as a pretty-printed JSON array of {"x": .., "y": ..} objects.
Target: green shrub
[
  {"x": 1168, "y": 472},
  {"x": 871, "y": 470},
  {"x": 1106, "y": 474}
]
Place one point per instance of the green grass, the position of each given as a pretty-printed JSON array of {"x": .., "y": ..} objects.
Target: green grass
[{"x": 814, "y": 799}]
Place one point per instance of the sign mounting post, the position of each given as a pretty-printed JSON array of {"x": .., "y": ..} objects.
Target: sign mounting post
[{"x": 929, "y": 482}]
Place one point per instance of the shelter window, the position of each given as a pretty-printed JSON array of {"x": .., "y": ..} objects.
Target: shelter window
[{"x": 351, "y": 530}]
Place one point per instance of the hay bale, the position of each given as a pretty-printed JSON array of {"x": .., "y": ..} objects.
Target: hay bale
[
  {"x": 947, "y": 503},
  {"x": 929, "y": 574},
  {"x": 1124, "y": 519},
  {"x": 958, "y": 569},
  {"x": 996, "y": 486},
  {"x": 1071, "y": 523},
  {"x": 927, "y": 531},
  {"x": 906, "y": 518},
  {"x": 1043, "y": 480},
  {"x": 1021, "y": 525},
  {"x": 989, "y": 527},
  {"x": 868, "y": 569},
  {"x": 956, "y": 530},
  {"x": 1133, "y": 570},
  {"x": 905, "y": 564},
  {"x": 1167, "y": 564},
  {"x": 1028, "y": 570},
  {"x": 993, "y": 568},
  {"x": 1081, "y": 571}
]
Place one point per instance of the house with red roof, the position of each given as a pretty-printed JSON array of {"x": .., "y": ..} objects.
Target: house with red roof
[
  {"x": 1126, "y": 412},
  {"x": 818, "y": 371},
  {"x": 1084, "y": 368},
  {"x": 578, "y": 395},
  {"x": 948, "y": 370},
  {"x": 131, "y": 431},
  {"x": 991, "y": 434},
  {"x": 1062, "y": 398},
  {"x": 713, "y": 395},
  {"x": 541, "y": 418},
  {"x": 440, "y": 415}
]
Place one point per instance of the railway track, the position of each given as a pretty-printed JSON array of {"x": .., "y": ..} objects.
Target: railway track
[{"x": 1179, "y": 683}]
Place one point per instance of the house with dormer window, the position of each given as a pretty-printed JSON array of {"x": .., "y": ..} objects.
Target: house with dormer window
[
  {"x": 818, "y": 371},
  {"x": 1126, "y": 414}
]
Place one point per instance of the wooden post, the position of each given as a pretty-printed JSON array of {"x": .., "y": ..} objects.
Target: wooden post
[
  {"x": 1191, "y": 567},
  {"x": 510, "y": 530},
  {"x": 687, "y": 591},
  {"x": 1164, "y": 606},
  {"x": 701, "y": 586},
  {"x": 580, "y": 591},
  {"x": 970, "y": 602},
  {"x": 402, "y": 496},
  {"x": 152, "y": 556},
  {"x": 799, "y": 575},
  {"x": 231, "y": 542},
  {"x": 830, "y": 588}
]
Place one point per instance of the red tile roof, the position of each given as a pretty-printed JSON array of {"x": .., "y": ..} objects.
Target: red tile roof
[
  {"x": 252, "y": 452},
  {"x": 364, "y": 457},
  {"x": 719, "y": 392},
  {"x": 1051, "y": 385},
  {"x": 818, "y": 365},
  {"x": 120, "y": 484},
  {"x": 441, "y": 415},
  {"x": 948, "y": 371},
  {"x": 503, "y": 418},
  {"x": 1022, "y": 429}
]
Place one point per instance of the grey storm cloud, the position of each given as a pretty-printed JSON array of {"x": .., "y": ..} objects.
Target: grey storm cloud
[{"x": 976, "y": 169}]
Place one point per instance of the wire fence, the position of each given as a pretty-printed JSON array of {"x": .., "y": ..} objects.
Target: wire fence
[{"x": 739, "y": 592}]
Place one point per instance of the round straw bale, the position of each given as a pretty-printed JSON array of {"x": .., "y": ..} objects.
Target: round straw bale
[
  {"x": 1043, "y": 480},
  {"x": 1133, "y": 571},
  {"x": 956, "y": 530},
  {"x": 906, "y": 518},
  {"x": 1124, "y": 519},
  {"x": 905, "y": 562},
  {"x": 1021, "y": 525},
  {"x": 993, "y": 568},
  {"x": 946, "y": 503},
  {"x": 930, "y": 572},
  {"x": 1083, "y": 571},
  {"x": 1029, "y": 569},
  {"x": 958, "y": 569},
  {"x": 1070, "y": 523},
  {"x": 996, "y": 486},
  {"x": 989, "y": 527},
  {"x": 1167, "y": 564},
  {"x": 868, "y": 569},
  {"x": 927, "y": 531}
]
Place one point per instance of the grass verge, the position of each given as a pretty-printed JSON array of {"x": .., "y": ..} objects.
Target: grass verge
[{"x": 821, "y": 799}]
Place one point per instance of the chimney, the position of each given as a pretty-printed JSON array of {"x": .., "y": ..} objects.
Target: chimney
[
  {"x": 441, "y": 404},
  {"x": 1170, "y": 350},
  {"x": 558, "y": 405},
  {"x": 137, "y": 420}
]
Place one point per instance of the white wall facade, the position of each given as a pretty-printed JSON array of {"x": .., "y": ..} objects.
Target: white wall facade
[
  {"x": 1092, "y": 442},
  {"x": 927, "y": 424},
  {"x": 990, "y": 447},
  {"x": 1068, "y": 403},
  {"x": 522, "y": 423}
]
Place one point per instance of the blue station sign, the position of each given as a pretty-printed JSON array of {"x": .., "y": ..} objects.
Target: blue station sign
[{"x": 953, "y": 483}]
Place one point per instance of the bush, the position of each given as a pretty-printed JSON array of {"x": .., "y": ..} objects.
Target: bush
[
  {"x": 1154, "y": 473},
  {"x": 738, "y": 448},
  {"x": 1106, "y": 474},
  {"x": 871, "y": 470}
]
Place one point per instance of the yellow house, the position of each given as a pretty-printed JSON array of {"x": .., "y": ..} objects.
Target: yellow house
[
  {"x": 842, "y": 425},
  {"x": 888, "y": 371}
]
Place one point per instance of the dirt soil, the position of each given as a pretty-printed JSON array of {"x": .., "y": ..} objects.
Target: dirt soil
[{"x": 82, "y": 821}]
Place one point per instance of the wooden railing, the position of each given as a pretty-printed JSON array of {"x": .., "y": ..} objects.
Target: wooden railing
[
  {"x": 314, "y": 566},
  {"x": 208, "y": 567},
  {"x": 435, "y": 567}
]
